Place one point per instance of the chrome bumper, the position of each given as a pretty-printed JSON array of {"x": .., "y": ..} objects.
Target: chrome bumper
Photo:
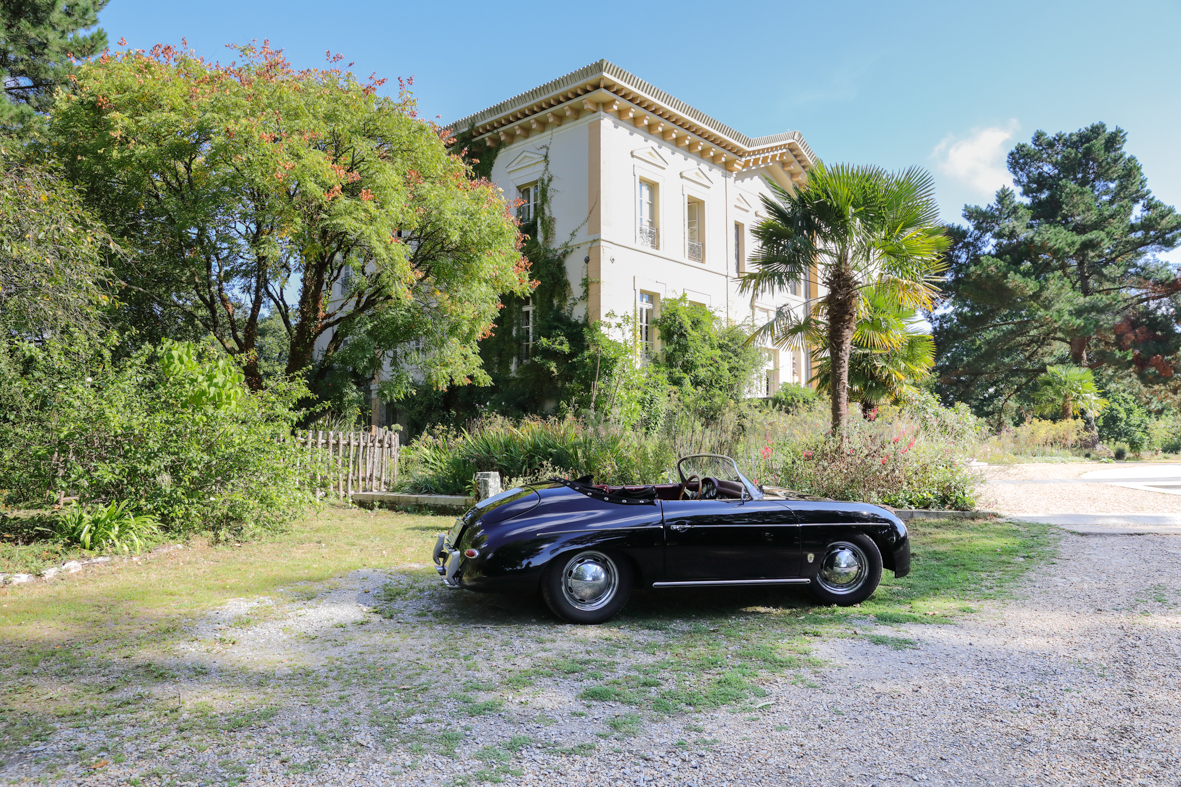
[{"x": 446, "y": 561}]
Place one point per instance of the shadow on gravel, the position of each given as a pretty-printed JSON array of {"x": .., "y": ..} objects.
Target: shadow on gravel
[{"x": 419, "y": 595}]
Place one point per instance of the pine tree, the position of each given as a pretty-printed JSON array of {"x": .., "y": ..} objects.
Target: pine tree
[
  {"x": 1067, "y": 272},
  {"x": 39, "y": 38}
]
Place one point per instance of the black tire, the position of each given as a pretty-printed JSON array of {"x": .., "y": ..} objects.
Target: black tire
[
  {"x": 571, "y": 593},
  {"x": 836, "y": 583}
]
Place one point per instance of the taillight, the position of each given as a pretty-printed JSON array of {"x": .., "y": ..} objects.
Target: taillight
[{"x": 470, "y": 553}]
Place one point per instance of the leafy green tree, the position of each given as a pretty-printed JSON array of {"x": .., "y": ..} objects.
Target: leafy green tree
[
  {"x": 1124, "y": 420},
  {"x": 53, "y": 257},
  {"x": 1066, "y": 391},
  {"x": 853, "y": 228},
  {"x": 708, "y": 362},
  {"x": 253, "y": 188},
  {"x": 1068, "y": 272},
  {"x": 39, "y": 39}
]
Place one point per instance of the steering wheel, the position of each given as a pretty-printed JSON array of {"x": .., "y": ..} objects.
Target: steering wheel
[
  {"x": 709, "y": 489},
  {"x": 685, "y": 487}
]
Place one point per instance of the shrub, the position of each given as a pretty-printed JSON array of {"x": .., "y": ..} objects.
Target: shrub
[
  {"x": 791, "y": 397},
  {"x": 1121, "y": 454},
  {"x": 902, "y": 458},
  {"x": 106, "y": 527},
  {"x": 172, "y": 433},
  {"x": 1124, "y": 420},
  {"x": 1036, "y": 437}
]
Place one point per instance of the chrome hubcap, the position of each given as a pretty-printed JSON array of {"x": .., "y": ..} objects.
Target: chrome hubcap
[
  {"x": 589, "y": 581},
  {"x": 843, "y": 568}
]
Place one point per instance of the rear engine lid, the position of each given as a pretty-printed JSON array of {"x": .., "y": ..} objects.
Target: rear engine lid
[{"x": 508, "y": 504}]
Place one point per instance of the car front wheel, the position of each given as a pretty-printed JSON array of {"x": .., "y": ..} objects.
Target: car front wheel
[
  {"x": 850, "y": 570},
  {"x": 587, "y": 586}
]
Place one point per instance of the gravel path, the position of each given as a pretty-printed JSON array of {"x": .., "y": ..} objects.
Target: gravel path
[
  {"x": 1075, "y": 682},
  {"x": 1045, "y": 488}
]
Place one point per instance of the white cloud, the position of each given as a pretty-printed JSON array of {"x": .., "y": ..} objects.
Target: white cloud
[{"x": 977, "y": 160}]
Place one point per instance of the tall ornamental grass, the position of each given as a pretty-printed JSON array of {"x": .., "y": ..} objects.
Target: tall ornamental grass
[{"x": 911, "y": 456}]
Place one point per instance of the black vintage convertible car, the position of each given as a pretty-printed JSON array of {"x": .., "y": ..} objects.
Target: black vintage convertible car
[{"x": 586, "y": 545}]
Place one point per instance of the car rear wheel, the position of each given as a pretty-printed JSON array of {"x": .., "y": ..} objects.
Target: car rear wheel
[
  {"x": 850, "y": 570},
  {"x": 587, "y": 586}
]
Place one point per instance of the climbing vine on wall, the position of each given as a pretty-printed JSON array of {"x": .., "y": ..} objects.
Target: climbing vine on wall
[{"x": 539, "y": 378}]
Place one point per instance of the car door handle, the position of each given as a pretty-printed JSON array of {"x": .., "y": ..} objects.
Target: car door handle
[{"x": 678, "y": 527}]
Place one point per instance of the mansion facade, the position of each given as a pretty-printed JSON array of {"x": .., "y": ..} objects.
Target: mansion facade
[{"x": 659, "y": 199}]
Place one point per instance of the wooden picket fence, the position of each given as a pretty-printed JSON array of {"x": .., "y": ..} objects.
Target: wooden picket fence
[{"x": 364, "y": 461}]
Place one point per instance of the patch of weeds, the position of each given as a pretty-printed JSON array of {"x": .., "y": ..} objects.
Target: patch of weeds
[
  {"x": 517, "y": 742},
  {"x": 233, "y": 722},
  {"x": 1156, "y": 593},
  {"x": 627, "y": 724},
  {"x": 474, "y": 707},
  {"x": 894, "y": 643},
  {"x": 579, "y": 749}
]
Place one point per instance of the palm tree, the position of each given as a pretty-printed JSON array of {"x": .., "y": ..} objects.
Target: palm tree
[
  {"x": 1068, "y": 391},
  {"x": 848, "y": 228},
  {"x": 889, "y": 354}
]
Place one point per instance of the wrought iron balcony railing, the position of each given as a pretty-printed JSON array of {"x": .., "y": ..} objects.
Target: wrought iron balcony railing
[
  {"x": 695, "y": 251},
  {"x": 650, "y": 236}
]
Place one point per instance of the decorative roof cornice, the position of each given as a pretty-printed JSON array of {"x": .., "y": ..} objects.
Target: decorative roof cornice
[{"x": 604, "y": 87}]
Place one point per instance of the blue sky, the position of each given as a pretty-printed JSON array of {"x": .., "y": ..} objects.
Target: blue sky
[{"x": 949, "y": 86}]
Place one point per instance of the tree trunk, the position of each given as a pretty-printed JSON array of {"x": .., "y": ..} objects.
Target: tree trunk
[
  {"x": 1078, "y": 354},
  {"x": 842, "y": 320},
  {"x": 1091, "y": 441},
  {"x": 250, "y": 370}
]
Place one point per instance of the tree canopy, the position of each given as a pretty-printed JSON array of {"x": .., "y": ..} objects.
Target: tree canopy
[
  {"x": 53, "y": 255},
  {"x": 254, "y": 188},
  {"x": 1067, "y": 272},
  {"x": 39, "y": 39}
]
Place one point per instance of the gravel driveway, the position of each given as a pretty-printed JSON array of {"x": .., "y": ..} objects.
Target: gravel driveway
[
  {"x": 1074, "y": 682},
  {"x": 1073, "y": 488}
]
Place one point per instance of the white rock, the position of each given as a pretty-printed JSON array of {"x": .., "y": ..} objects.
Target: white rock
[
  {"x": 71, "y": 567},
  {"x": 21, "y": 579},
  {"x": 50, "y": 572}
]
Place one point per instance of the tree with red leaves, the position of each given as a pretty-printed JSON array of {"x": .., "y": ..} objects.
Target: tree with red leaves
[{"x": 255, "y": 189}]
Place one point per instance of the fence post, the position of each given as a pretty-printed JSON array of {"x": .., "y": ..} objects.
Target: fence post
[
  {"x": 487, "y": 485},
  {"x": 371, "y": 439},
  {"x": 381, "y": 462},
  {"x": 348, "y": 473}
]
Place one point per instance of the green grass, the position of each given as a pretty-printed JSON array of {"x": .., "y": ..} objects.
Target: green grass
[{"x": 98, "y": 649}]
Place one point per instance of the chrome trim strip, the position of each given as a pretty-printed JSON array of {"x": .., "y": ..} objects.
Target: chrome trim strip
[
  {"x": 718, "y": 582},
  {"x": 606, "y": 529}
]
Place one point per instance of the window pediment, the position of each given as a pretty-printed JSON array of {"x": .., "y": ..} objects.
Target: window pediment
[
  {"x": 527, "y": 158},
  {"x": 742, "y": 203},
  {"x": 698, "y": 176},
  {"x": 651, "y": 156}
]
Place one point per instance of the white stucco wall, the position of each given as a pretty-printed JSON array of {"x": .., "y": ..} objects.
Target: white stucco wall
[{"x": 627, "y": 268}]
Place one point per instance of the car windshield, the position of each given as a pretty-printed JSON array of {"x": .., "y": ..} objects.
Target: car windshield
[
  {"x": 715, "y": 466},
  {"x": 709, "y": 466}
]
